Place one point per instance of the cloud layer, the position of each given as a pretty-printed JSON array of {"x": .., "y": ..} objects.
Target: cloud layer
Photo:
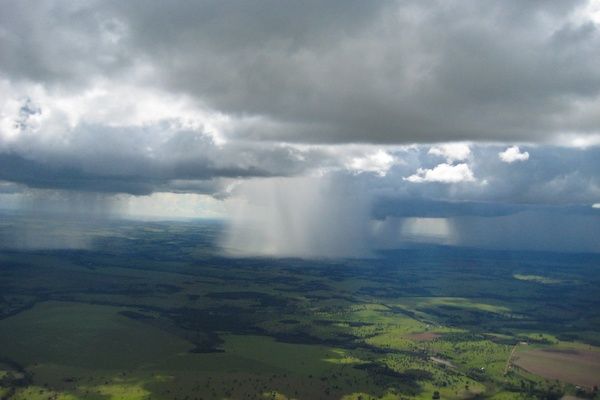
[
  {"x": 386, "y": 72},
  {"x": 378, "y": 110}
]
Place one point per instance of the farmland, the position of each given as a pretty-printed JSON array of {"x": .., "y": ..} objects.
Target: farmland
[
  {"x": 156, "y": 311},
  {"x": 579, "y": 365}
]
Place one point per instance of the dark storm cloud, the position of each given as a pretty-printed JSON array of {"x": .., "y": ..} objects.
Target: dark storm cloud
[
  {"x": 10, "y": 188},
  {"x": 385, "y": 72},
  {"x": 59, "y": 43},
  {"x": 34, "y": 174},
  {"x": 144, "y": 160},
  {"x": 401, "y": 72}
]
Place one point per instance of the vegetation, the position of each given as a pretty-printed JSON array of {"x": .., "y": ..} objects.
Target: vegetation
[{"x": 153, "y": 311}]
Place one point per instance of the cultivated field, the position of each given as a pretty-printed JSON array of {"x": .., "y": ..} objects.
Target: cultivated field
[{"x": 579, "y": 366}]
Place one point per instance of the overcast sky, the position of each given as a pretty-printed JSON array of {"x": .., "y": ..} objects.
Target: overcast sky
[{"x": 330, "y": 128}]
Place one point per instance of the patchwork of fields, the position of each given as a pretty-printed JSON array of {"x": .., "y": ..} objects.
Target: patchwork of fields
[{"x": 153, "y": 311}]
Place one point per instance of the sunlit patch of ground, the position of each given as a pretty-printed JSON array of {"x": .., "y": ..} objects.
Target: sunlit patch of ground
[
  {"x": 421, "y": 303},
  {"x": 40, "y": 393},
  {"x": 129, "y": 391},
  {"x": 538, "y": 337},
  {"x": 342, "y": 357}
]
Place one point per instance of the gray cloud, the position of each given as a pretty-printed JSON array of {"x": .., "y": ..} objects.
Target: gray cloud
[
  {"x": 403, "y": 72},
  {"x": 141, "y": 160},
  {"x": 386, "y": 72}
]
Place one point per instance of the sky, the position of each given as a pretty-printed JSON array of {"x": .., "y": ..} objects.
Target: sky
[{"x": 314, "y": 129}]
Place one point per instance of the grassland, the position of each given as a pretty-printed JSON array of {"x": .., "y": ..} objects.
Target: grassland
[{"x": 153, "y": 311}]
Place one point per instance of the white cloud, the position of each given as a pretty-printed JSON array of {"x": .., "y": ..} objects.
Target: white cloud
[
  {"x": 589, "y": 11},
  {"x": 596, "y": 205},
  {"x": 452, "y": 151},
  {"x": 444, "y": 173},
  {"x": 379, "y": 162},
  {"x": 107, "y": 103},
  {"x": 513, "y": 154}
]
